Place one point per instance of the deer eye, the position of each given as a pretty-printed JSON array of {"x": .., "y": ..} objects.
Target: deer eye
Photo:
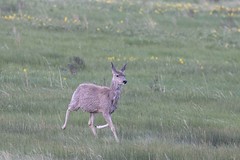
[{"x": 117, "y": 75}]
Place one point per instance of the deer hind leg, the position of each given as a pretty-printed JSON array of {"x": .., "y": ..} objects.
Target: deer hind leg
[
  {"x": 73, "y": 106},
  {"x": 70, "y": 109},
  {"x": 102, "y": 126},
  {"x": 66, "y": 118},
  {"x": 108, "y": 119},
  {"x": 91, "y": 125}
]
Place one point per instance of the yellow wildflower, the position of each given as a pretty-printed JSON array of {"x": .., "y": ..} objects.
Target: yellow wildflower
[
  {"x": 181, "y": 61},
  {"x": 65, "y": 19},
  {"x": 111, "y": 58}
]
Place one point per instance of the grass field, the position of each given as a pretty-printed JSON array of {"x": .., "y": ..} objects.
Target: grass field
[{"x": 182, "y": 97}]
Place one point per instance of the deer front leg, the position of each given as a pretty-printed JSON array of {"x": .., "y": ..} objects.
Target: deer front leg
[
  {"x": 108, "y": 119},
  {"x": 91, "y": 125}
]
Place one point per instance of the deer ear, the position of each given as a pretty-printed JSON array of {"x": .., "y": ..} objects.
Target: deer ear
[
  {"x": 113, "y": 69},
  {"x": 124, "y": 67}
]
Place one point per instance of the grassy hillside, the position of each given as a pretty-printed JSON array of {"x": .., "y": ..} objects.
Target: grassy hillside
[{"x": 182, "y": 97}]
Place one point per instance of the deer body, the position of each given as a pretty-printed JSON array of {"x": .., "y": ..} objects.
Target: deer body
[
  {"x": 98, "y": 99},
  {"x": 94, "y": 99}
]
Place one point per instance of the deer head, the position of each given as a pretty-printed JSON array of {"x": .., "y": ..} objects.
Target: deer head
[{"x": 119, "y": 76}]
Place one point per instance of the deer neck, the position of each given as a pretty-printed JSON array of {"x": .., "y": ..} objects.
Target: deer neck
[
  {"x": 115, "y": 91},
  {"x": 114, "y": 86}
]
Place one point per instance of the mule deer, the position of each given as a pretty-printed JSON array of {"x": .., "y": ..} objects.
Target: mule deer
[{"x": 98, "y": 99}]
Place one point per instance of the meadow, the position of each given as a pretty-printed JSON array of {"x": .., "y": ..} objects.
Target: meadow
[{"x": 183, "y": 70}]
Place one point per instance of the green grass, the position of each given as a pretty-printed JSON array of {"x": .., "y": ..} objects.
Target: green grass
[{"x": 182, "y": 96}]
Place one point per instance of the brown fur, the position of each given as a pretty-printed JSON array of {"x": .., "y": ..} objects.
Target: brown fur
[{"x": 94, "y": 99}]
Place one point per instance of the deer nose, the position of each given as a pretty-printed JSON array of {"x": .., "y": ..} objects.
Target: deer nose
[{"x": 125, "y": 81}]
